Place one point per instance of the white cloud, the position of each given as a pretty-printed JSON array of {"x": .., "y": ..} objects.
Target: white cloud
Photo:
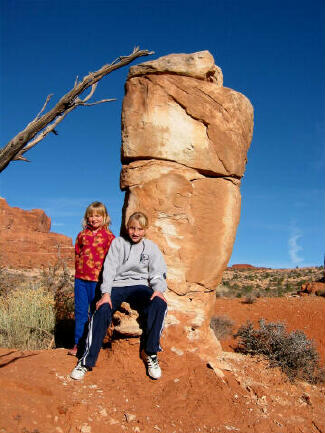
[{"x": 294, "y": 247}]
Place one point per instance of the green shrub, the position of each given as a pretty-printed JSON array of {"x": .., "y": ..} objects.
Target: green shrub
[
  {"x": 247, "y": 289},
  {"x": 27, "y": 319},
  {"x": 292, "y": 352},
  {"x": 222, "y": 326}
]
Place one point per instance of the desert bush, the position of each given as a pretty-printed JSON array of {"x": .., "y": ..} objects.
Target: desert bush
[
  {"x": 222, "y": 326},
  {"x": 57, "y": 277},
  {"x": 10, "y": 280},
  {"x": 226, "y": 283},
  {"x": 249, "y": 300},
  {"x": 27, "y": 319},
  {"x": 292, "y": 352},
  {"x": 58, "y": 280},
  {"x": 246, "y": 289}
]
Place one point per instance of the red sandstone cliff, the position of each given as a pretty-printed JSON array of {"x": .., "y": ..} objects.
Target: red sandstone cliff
[{"x": 26, "y": 241}]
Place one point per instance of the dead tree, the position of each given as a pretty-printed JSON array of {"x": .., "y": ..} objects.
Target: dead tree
[{"x": 39, "y": 127}]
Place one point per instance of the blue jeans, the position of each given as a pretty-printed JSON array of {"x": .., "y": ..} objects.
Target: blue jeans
[
  {"x": 151, "y": 312},
  {"x": 84, "y": 301}
]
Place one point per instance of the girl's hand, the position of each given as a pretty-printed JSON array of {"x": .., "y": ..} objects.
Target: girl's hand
[
  {"x": 105, "y": 299},
  {"x": 159, "y": 294}
]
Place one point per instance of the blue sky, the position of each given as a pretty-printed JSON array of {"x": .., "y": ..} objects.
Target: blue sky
[{"x": 272, "y": 51}]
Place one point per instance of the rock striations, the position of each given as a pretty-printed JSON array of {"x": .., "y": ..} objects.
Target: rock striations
[
  {"x": 26, "y": 241},
  {"x": 185, "y": 139}
]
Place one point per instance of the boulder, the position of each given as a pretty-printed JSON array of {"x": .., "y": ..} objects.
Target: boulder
[
  {"x": 188, "y": 121},
  {"x": 312, "y": 288},
  {"x": 185, "y": 139},
  {"x": 197, "y": 65},
  {"x": 26, "y": 241}
]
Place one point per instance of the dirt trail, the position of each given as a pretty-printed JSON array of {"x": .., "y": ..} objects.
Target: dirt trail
[{"x": 37, "y": 395}]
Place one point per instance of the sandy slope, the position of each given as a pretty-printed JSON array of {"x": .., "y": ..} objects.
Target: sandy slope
[{"x": 37, "y": 396}]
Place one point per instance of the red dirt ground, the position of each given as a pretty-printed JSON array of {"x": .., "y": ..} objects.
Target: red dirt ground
[
  {"x": 37, "y": 395},
  {"x": 304, "y": 313}
]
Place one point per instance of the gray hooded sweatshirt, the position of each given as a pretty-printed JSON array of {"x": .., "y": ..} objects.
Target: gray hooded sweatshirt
[{"x": 129, "y": 264}]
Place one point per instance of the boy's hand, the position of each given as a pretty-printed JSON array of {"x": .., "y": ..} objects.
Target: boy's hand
[
  {"x": 159, "y": 294},
  {"x": 105, "y": 299}
]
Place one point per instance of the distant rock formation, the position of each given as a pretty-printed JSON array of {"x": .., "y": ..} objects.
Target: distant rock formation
[
  {"x": 26, "y": 241},
  {"x": 313, "y": 288},
  {"x": 185, "y": 139},
  {"x": 243, "y": 266},
  {"x": 246, "y": 266}
]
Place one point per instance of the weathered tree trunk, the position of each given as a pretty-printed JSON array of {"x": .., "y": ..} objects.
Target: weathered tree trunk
[{"x": 42, "y": 125}]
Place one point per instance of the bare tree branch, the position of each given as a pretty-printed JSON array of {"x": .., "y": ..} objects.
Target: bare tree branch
[
  {"x": 39, "y": 127},
  {"x": 96, "y": 103},
  {"x": 41, "y": 135},
  {"x": 45, "y": 104},
  {"x": 93, "y": 88}
]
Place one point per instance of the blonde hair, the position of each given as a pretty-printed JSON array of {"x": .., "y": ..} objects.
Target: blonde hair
[
  {"x": 96, "y": 207},
  {"x": 140, "y": 217}
]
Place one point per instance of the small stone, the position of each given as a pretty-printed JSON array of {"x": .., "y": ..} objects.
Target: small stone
[
  {"x": 113, "y": 421},
  {"x": 85, "y": 428},
  {"x": 306, "y": 398},
  {"x": 129, "y": 417},
  {"x": 103, "y": 412}
]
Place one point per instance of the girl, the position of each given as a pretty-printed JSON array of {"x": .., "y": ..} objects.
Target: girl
[
  {"x": 134, "y": 272},
  {"x": 91, "y": 248}
]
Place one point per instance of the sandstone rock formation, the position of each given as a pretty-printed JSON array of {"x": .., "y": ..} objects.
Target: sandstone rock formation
[
  {"x": 184, "y": 143},
  {"x": 313, "y": 288},
  {"x": 26, "y": 241}
]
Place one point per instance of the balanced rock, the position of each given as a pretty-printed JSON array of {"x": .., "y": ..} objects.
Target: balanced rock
[
  {"x": 26, "y": 241},
  {"x": 185, "y": 139}
]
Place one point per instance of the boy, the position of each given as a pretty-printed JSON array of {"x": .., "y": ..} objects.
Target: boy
[{"x": 135, "y": 272}]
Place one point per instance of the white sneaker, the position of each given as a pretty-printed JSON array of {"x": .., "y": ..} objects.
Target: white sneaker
[
  {"x": 154, "y": 369},
  {"x": 78, "y": 372}
]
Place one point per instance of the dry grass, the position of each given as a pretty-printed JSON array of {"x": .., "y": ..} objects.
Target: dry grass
[
  {"x": 222, "y": 326},
  {"x": 36, "y": 310},
  {"x": 27, "y": 319}
]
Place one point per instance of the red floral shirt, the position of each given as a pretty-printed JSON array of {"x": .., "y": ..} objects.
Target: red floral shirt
[{"x": 90, "y": 252}]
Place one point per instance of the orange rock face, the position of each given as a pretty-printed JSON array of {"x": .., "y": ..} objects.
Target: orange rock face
[
  {"x": 26, "y": 241},
  {"x": 313, "y": 288},
  {"x": 185, "y": 139},
  {"x": 184, "y": 143}
]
